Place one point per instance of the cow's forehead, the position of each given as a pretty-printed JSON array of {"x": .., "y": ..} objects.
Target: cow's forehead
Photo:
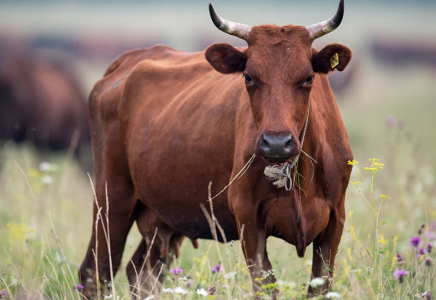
[
  {"x": 275, "y": 50},
  {"x": 274, "y": 33}
]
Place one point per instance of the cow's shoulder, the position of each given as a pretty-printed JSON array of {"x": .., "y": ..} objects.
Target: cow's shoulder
[
  {"x": 107, "y": 92},
  {"x": 166, "y": 60},
  {"x": 130, "y": 58}
]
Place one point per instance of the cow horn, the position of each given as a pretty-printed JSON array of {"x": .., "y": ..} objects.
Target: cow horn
[
  {"x": 240, "y": 30},
  {"x": 319, "y": 29}
]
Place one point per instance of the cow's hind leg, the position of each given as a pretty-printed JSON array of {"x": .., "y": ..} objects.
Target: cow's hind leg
[
  {"x": 102, "y": 262},
  {"x": 159, "y": 244},
  {"x": 144, "y": 271}
]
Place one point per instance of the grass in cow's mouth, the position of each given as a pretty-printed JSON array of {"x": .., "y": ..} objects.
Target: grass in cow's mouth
[{"x": 385, "y": 252}]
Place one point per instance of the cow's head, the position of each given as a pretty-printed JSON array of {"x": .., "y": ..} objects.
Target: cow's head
[{"x": 279, "y": 68}]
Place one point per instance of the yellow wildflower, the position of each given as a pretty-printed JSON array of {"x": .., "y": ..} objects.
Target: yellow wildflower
[
  {"x": 354, "y": 235},
  {"x": 353, "y": 162},
  {"x": 382, "y": 239}
]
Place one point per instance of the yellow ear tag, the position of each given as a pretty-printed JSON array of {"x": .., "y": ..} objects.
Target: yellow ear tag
[{"x": 334, "y": 60}]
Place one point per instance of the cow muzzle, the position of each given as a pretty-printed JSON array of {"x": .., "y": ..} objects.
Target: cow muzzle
[{"x": 277, "y": 147}]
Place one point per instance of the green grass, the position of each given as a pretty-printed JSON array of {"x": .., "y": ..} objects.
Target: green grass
[{"x": 45, "y": 224}]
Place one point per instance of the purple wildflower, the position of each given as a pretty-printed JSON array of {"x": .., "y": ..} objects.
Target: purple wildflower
[
  {"x": 415, "y": 242},
  {"x": 428, "y": 261},
  {"x": 421, "y": 252},
  {"x": 212, "y": 290},
  {"x": 429, "y": 247},
  {"x": 176, "y": 271},
  {"x": 79, "y": 287},
  {"x": 399, "y": 274},
  {"x": 428, "y": 296},
  {"x": 216, "y": 269},
  {"x": 399, "y": 257},
  {"x": 3, "y": 294}
]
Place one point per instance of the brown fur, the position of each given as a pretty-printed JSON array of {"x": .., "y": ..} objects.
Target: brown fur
[{"x": 171, "y": 127}]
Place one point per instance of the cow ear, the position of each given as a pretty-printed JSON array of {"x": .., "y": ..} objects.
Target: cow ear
[
  {"x": 333, "y": 56},
  {"x": 225, "y": 58}
]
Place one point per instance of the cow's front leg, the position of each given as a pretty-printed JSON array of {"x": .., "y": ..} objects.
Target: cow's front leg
[
  {"x": 253, "y": 240},
  {"x": 324, "y": 252}
]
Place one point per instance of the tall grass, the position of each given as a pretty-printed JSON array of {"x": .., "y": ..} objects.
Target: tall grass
[{"x": 45, "y": 225}]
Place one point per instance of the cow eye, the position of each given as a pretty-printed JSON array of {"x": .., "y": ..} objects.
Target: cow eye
[
  {"x": 309, "y": 80},
  {"x": 248, "y": 79}
]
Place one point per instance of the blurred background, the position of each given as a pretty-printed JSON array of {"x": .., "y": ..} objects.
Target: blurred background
[
  {"x": 52, "y": 52},
  {"x": 389, "y": 81}
]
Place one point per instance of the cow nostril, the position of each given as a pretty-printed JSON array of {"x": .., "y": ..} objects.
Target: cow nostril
[
  {"x": 264, "y": 143},
  {"x": 289, "y": 143}
]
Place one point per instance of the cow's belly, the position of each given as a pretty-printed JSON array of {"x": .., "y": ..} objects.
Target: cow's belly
[
  {"x": 177, "y": 192},
  {"x": 172, "y": 163}
]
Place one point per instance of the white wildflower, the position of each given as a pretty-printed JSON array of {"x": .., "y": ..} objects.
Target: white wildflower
[
  {"x": 357, "y": 270},
  {"x": 47, "y": 180},
  {"x": 202, "y": 292},
  {"x": 316, "y": 282},
  {"x": 333, "y": 295},
  {"x": 266, "y": 274},
  {"x": 44, "y": 166},
  {"x": 108, "y": 297},
  {"x": 168, "y": 291},
  {"x": 150, "y": 297},
  {"x": 180, "y": 290}
]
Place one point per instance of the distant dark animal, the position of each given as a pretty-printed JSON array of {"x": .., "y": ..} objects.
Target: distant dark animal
[
  {"x": 403, "y": 52},
  {"x": 165, "y": 123},
  {"x": 41, "y": 102}
]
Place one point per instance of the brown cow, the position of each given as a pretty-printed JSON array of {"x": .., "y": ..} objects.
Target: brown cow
[
  {"x": 165, "y": 123},
  {"x": 41, "y": 101}
]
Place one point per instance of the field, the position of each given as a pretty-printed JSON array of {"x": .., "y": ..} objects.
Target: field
[{"x": 46, "y": 204}]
